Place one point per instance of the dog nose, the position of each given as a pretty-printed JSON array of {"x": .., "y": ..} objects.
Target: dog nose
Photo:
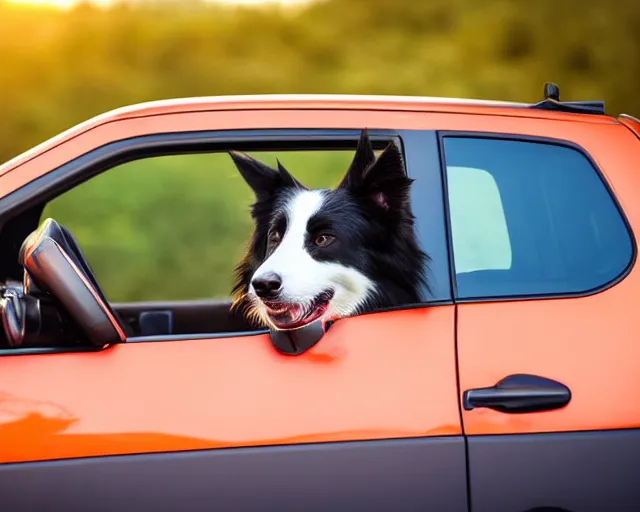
[{"x": 267, "y": 286}]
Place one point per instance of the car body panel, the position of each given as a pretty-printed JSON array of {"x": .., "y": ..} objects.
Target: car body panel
[
  {"x": 379, "y": 376},
  {"x": 588, "y": 343},
  {"x": 583, "y": 456}
]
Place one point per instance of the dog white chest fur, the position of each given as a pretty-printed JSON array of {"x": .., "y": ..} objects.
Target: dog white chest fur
[{"x": 303, "y": 277}]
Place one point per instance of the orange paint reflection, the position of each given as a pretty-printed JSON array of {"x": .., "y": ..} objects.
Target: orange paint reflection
[
  {"x": 380, "y": 376},
  {"x": 40, "y": 427}
]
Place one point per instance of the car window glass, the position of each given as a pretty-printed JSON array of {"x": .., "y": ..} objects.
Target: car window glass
[{"x": 530, "y": 218}]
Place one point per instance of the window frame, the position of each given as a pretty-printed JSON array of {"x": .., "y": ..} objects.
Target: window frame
[
  {"x": 568, "y": 144},
  {"x": 422, "y": 163}
]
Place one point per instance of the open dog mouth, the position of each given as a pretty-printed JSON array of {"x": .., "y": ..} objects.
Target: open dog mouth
[{"x": 291, "y": 315}]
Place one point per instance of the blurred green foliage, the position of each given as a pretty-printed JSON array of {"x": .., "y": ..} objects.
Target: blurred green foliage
[
  {"x": 58, "y": 68},
  {"x": 174, "y": 227}
]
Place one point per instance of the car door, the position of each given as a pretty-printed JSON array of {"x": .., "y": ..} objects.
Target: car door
[
  {"x": 366, "y": 419},
  {"x": 547, "y": 335}
]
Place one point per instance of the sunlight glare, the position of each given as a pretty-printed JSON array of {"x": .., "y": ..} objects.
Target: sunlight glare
[{"x": 66, "y": 4}]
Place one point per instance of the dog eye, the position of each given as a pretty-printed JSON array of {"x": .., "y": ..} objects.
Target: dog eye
[{"x": 324, "y": 240}]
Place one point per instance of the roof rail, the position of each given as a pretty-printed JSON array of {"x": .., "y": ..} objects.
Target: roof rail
[{"x": 552, "y": 102}]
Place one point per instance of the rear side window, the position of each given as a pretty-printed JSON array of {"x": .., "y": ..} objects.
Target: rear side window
[{"x": 530, "y": 218}]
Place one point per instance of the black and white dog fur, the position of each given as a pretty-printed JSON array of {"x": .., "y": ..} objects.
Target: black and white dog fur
[{"x": 328, "y": 254}]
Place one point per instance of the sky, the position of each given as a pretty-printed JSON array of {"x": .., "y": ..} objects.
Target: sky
[{"x": 70, "y": 3}]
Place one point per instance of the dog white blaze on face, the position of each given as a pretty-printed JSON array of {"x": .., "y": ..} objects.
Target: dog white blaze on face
[{"x": 309, "y": 289}]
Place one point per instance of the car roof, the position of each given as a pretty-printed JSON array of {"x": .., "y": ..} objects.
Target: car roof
[{"x": 306, "y": 102}]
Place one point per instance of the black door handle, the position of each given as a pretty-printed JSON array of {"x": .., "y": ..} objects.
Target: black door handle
[{"x": 519, "y": 393}]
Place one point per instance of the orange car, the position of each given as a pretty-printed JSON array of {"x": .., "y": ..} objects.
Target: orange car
[{"x": 513, "y": 386}]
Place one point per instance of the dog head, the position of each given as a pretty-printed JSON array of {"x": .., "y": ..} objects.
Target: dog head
[{"x": 328, "y": 253}]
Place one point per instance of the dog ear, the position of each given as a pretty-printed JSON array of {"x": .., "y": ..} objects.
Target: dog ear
[
  {"x": 263, "y": 180},
  {"x": 362, "y": 160},
  {"x": 386, "y": 181},
  {"x": 288, "y": 178},
  {"x": 383, "y": 181}
]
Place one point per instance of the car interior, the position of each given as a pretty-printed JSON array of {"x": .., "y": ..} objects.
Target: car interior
[{"x": 58, "y": 302}]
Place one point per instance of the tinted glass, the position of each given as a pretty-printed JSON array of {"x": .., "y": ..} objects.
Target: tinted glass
[{"x": 530, "y": 218}]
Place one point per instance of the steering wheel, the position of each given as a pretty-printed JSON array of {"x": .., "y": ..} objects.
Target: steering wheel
[{"x": 54, "y": 265}]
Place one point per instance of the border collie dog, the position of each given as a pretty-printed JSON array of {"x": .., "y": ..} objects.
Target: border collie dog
[{"x": 327, "y": 254}]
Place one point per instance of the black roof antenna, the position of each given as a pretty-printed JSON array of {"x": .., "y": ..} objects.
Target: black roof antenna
[{"x": 552, "y": 102}]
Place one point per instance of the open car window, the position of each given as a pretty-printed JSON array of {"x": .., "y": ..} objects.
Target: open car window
[
  {"x": 173, "y": 228},
  {"x": 156, "y": 243}
]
